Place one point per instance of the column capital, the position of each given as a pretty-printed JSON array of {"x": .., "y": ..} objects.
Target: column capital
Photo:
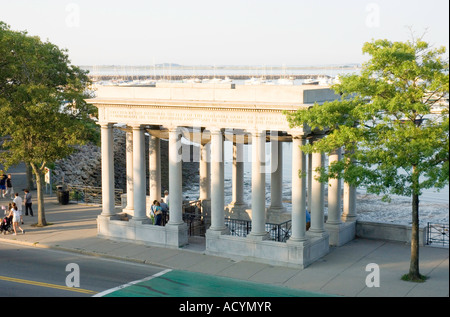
[
  {"x": 105, "y": 125},
  {"x": 215, "y": 130},
  {"x": 297, "y": 135},
  {"x": 256, "y": 131},
  {"x": 136, "y": 126},
  {"x": 172, "y": 128}
]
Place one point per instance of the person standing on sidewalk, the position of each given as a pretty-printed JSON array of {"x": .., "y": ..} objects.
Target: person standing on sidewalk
[{"x": 28, "y": 203}]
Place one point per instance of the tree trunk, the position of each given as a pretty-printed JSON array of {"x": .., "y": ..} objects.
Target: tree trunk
[
  {"x": 30, "y": 183},
  {"x": 40, "y": 194},
  {"x": 414, "y": 274}
]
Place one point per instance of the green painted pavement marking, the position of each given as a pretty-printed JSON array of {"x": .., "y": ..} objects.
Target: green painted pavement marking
[{"x": 192, "y": 284}]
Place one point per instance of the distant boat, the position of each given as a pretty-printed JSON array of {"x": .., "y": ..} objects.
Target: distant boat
[
  {"x": 227, "y": 80},
  {"x": 214, "y": 80},
  {"x": 285, "y": 81},
  {"x": 254, "y": 81},
  {"x": 323, "y": 81},
  {"x": 310, "y": 81},
  {"x": 193, "y": 80}
]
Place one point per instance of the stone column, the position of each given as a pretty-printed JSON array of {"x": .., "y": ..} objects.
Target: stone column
[
  {"x": 154, "y": 154},
  {"x": 237, "y": 178},
  {"x": 309, "y": 181},
  {"x": 175, "y": 178},
  {"x": 108, "y": 204},
  {"x": 334, "y": 192},
  {"x": 349, "y": 203},
  {"x": 205, "y": 172},
  {"x": 317, "y": 196},
  {"x": 258, "y": 185},
  {"x": 139, "y": 176},
  {"x": 298, "y": 190},
  {"x": 217, "y": 182},
  {"x": 276, "y": 177},
  {"x": 129, "y": 170}
]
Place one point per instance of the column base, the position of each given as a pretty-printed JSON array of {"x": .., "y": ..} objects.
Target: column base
[
  {"x": 341, "y": 233},
  {"x": 301, "y": 241},
  {"x": 240, "y": 212},
  {"x": 128, "y": 211},
  {"x": 319, "y": 234},
  {"x": 349, "y": 218},
  {"x": 258, "y": 236},
  {"x": 277, "y": 214},
  {"x": 218, "y": 231}
]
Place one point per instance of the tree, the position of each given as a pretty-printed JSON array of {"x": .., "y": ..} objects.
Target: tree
[
  {"x": 392, "y": 143},
  {"x": 42, "y": 107}
]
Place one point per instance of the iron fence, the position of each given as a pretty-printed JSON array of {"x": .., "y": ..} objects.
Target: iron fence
[
  {"x": 437, "y": 234},
  {"x": 277, "y": 232},
  {"x": 194, "y": 218},
  {"x": 91, "y": 195}
]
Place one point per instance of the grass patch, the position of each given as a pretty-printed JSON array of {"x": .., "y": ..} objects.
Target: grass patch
[{"x": 416, "y": 279}]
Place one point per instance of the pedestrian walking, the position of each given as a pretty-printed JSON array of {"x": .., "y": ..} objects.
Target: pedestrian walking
[
  {"x": 2, "y": 183},
  {"x": 28, "y": 204},
  {"x": 9, "y": 187},
  {"x": 18, "y": 201},
  {"x": 16, "y": 218}
]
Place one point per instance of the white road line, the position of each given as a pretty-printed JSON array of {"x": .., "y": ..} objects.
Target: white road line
[{"x": 101, "y": 294}]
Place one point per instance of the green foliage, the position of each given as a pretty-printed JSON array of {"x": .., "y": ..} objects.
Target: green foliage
[
  {"x": 42, "y": 107},
  {"x": 393, "y": 145},
  {"x": 43, "y": 114}
]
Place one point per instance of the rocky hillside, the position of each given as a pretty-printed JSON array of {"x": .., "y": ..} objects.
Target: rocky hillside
[{"x": 83, "y": 167}]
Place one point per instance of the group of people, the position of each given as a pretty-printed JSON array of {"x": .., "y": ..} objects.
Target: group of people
[
  {"x": 13, "y": 213},
  {"x": 159, "y": 210},
  {"x": 6, "y": 187},
  {"x": 14, "y": 210}
]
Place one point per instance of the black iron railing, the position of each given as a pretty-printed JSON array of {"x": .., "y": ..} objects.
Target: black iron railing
[
  {"x": 91, "y": 195},
  {"x": 437, "y": 234},
  {"x": 277, "y": 232}
]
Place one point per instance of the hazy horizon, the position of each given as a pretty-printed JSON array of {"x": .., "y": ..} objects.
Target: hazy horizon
[{"x": 233, "y": 32}]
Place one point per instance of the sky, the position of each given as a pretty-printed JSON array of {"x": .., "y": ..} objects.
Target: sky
[{"x": 227, "y": 32}]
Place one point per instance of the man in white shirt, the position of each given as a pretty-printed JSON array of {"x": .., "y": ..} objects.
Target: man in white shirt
[
  {"x": 166, "y": 197},
  {"x": 18, "y": 200}
]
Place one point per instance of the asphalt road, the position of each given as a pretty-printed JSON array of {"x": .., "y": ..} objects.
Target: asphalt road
[
  {"x": 29, "y": 272},
  {"x": 38, "y": 272}
]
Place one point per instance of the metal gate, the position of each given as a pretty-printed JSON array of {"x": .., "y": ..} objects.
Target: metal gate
[{"x": 437, "y": 234}]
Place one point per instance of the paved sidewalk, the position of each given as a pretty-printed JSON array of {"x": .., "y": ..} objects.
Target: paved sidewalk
[{"x": 341, "y": 272}]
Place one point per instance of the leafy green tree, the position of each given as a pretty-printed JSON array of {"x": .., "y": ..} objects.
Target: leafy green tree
[
  {"x": 392, "y": 143},
  {"x": 42, "y": 107}
]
